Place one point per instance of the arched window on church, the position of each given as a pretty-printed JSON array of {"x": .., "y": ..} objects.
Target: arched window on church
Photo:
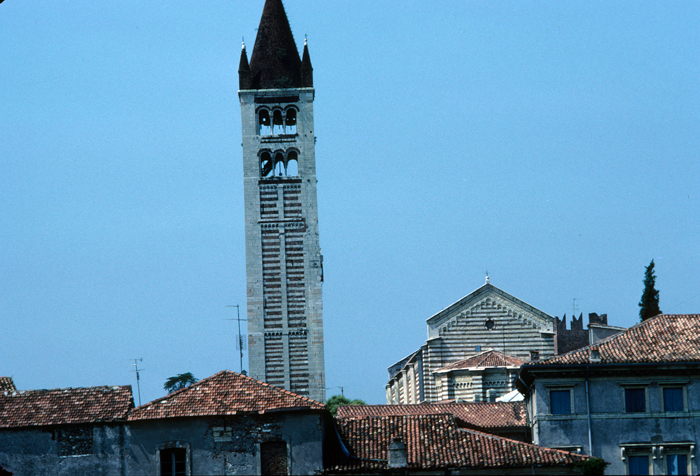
[
  {"x": 264, "y": 125},
  {"x": 290, "y": 121},
  {"x": 277, "y": 122},
  {"x": 292, "y": 164},
  {"x": 265, "y": 164},
  {"x": 280, "y": 169}
]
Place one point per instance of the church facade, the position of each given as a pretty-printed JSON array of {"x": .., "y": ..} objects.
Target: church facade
[
  {"x": 284, "y": 266},
  {"x": 487, "y": 319}
]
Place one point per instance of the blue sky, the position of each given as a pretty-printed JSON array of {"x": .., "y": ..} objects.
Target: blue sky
[{"x": 554, "y": 144}]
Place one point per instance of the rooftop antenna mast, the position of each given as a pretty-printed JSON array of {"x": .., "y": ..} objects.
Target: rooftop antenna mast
[
  {"x": 138, "y": 376},
  {"x": 574, "y": 307},
  {"x": 240, "y": 341}
]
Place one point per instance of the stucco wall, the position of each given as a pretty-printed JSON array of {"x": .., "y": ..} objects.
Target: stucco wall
[
  {"x": 33, "y": 452},
  {"x": 652, "y": 432},
  {"x": 229, "y": 445}
]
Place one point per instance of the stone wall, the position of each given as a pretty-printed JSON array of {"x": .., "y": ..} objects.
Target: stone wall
[{"x": 577, "y": 336}]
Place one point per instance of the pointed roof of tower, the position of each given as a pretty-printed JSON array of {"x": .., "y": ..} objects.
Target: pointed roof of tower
[
  {"x": 275, "y": 61},
  {"x": 307, "y": 71},
  {"x": 243, "y": 70}
]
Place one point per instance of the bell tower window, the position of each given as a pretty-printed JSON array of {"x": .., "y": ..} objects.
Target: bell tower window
[
  {"x": 277, "y": 122},
  {"x": 264, "y": 125},
  {"x": 280, "y": 168},
  {"x": 290, "y": 121},
  {"x": 292, "y": 164},
  {"x": 265, "y": 164}
]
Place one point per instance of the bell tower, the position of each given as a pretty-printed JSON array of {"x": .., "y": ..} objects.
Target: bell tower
[{"x": 284, "y": 266}]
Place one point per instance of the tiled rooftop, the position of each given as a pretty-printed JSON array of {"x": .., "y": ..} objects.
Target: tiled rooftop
[
  {"x": 65, "y": 406},
  {"x": 225, "y": 393},
  {"x": 660, "y": 339},
  {"x": 486, "y": 415},
  {"x": 435, "y": 442},
  {"x": 7, "y": 385},
  {"x": 490, "y": 358}
]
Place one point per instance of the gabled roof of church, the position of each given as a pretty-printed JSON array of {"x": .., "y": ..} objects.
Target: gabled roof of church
[
  {"x": 275, "y": 62},
  {"x": 479, "y": 293},
  {"x": 490, "y": 358},
  {"x": 435, "y": 442},
  {"x": 62, "y": 406},
  {"x": 224, "y": 393},
  {"x": 666, "y": 338}
]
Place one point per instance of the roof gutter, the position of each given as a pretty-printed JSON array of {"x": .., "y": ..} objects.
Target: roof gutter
[{"x": 530, "y": 368}]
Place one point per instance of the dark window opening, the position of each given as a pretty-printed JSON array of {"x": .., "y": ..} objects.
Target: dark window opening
[
  {"x": 265, "y": 164},
  {"x": 173, "y": 462},
  {"x": 534, "y": 355},
  {"x": 673, "y": 399},
  {"x": 290, "y": 121},
  {"x": 273, "y": 458},
  {"x": 635, "y": 400},
  {"x": 490, "y": 324},
  {"x": 280, "y": 169},
  {"x": 75, "y": 441},
  {"x": 560, "y": 402},
  {"x": 277, "y": 122},
  {"x": 264, "y": 125}
]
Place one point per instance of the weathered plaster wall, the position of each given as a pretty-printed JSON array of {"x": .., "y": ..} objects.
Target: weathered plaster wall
[
  {"x": 611, "y": 425},
  {"x": 229, "y": 446},
  {"x": 34, "y": 452}
]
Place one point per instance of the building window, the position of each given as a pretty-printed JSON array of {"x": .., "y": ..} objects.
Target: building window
[
  {"x": 560, "y": 402},
  {"x": 273, "y": 458},
  {"x": 489, "y": 324},
  {"x": 673, "y": 399},
  {"x": 534, "y": 355},
  {"x": 635, "y": 400},
  {"x": 676, "y": 463},
  {"x": 76, "y": 441},
  {"x": 638, "y": 464},
  {"x": 173, "y": 462}
]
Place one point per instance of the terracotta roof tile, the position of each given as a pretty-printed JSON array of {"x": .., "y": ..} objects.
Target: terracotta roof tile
[
  {"x": 661, "y": 339},
  {"x": 7, "y": 385},
  {"x": 490, "y": 358},
  {"x": 435, "y": 442},
  {"x": 485, "y": 415},
  {"x": 65, "y": 406},
  {"x": 225, "y": 393}
]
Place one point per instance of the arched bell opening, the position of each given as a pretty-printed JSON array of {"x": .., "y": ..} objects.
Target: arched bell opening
[{"x": 264, "y": 124}]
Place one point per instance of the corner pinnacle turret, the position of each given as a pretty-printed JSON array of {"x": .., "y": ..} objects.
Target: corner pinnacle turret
[{"x": 275, "y": 62}]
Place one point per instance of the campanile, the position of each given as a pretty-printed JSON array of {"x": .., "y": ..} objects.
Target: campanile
[{"x": 284, "y": 266}]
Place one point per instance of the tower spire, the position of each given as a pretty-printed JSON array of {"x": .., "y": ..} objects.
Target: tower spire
[
  {"x": 275, "y": 61},
  {"x": 307, "y": 71},
  {"x": 243, "y": 70}
]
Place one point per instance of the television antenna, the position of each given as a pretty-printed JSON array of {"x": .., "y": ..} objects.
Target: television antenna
[
  {"x": 240, "y": 341},
  {"x": 138, "y": 376}
]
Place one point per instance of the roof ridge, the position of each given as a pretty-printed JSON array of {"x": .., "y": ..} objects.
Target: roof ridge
[{"x": 63, "y": 389}]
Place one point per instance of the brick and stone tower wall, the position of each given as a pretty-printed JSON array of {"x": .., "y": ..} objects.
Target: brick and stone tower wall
[{"x": 284, "y": 266}]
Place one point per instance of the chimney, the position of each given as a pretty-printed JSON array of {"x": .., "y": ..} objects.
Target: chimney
[{"x": 398, "y": 457}]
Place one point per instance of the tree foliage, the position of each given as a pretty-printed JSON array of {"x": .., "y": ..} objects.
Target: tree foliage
[
  {"x": 179, "y": 381},
  {"x": 333, "y": 402},
  {"x": 592, "y": 466},
  {"x": 649, "y": 304}
]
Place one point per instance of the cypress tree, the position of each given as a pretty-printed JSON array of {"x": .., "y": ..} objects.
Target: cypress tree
[{"x": 649, "y": 305}]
